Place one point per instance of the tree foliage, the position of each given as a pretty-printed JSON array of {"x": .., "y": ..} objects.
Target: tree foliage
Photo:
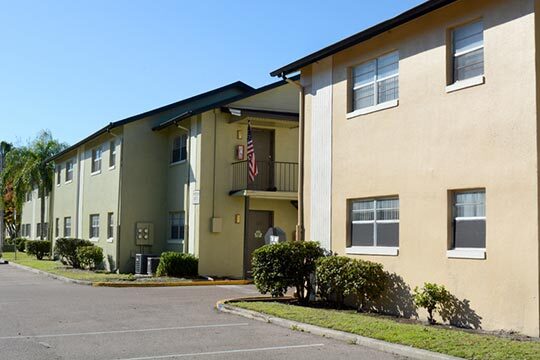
[{"x": 432, "y": 297}]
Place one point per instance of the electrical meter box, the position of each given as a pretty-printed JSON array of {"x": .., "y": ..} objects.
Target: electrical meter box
[{"x": 144, "y": 233}]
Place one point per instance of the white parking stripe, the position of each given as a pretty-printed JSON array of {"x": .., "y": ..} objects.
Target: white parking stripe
[
  {"x": 225, "y": 352},
  {"x": 121, "y": 331}
]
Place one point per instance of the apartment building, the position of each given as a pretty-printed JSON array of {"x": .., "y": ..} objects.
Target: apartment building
[
  {"x": 421, "y": 152},
  {"x": 175, "y": 179}
]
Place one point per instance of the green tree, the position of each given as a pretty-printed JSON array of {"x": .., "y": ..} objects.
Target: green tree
[
  {"x": 26, "y": 168},
  {"x": 4, "y": 149}
]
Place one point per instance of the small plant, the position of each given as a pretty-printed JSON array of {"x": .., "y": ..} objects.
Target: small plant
[
  {"x": 177, "y": 264},
  {"x": 66, "y": 250},
  {"x": 90, "y": 257},
  {"x": 431, "y": 297},
  {"x": 38, "y": 248},
  {"x": 277, "y": 267}
]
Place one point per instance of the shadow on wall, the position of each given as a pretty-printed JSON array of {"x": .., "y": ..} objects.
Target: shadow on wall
[
  {"x": 397, "y": 300},
  {"x": 459, "y": 313}
]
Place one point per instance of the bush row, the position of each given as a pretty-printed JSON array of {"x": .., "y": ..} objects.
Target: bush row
[
  {"x": 278, "y": 267},
  {"x": 78, "y": 253}
]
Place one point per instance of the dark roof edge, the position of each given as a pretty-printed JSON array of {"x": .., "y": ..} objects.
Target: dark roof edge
[
  {"x": 112, "y": 125},
  {"x": 409, "y": 15},
  {"x": 222, "y": 103}
]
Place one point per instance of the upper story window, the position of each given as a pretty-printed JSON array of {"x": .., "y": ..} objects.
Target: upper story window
[
  {"x": 179, "y": 149},
  {"x": 58, "y": 174},
  {"x": 28, "y": 196},
  {"x": 468, "y": 51},
  {"x": 376, "y": 82},
  {"x": 96, "y": 160},
  {"x": 69, "y": 170},
  {"x": 375, "y": 224},
  {"x": 112, "y": 154}
]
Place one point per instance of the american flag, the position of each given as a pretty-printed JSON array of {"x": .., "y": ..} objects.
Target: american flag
[{"x": 252, "y": 163}]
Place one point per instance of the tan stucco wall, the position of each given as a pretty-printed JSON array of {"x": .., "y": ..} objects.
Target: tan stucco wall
[{"x": 434, "y": 142}]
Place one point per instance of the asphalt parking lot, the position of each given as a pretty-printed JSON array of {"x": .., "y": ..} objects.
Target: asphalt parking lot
[{"x": 42, "y": 318}]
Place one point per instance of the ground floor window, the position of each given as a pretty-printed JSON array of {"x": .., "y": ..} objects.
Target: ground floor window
[
  {"x": 176, "y": 226},
  {"x": 94, "y": 226},
  {"x": 67, "y": 226},
  {"x": 26, "y": 230},
  {"x": 469, "y": 219},
  {"x": 57, "y": 227},
  {"x": 374, "y": 223},
  {"x": 110, "y": 225}
]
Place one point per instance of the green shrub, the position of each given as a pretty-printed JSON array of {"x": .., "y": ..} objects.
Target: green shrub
[
  {"x": 177, "y": 264},
  {"x": 340, "y": 276},
  {"x": 277, "y": 267},
  {"x": 90, "y": 257},
  {"x": 431, "y": 297},
  {"x": 66, "y": 250},
  {"x": 333, "y": 278},
  {"x": 19, "y": 243},
  {"x": 38, "y": 248}
]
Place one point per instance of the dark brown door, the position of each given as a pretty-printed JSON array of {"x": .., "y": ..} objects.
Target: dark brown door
[
  {"x": 258, "y": 223},
  {"x": 263, "y": 141}
]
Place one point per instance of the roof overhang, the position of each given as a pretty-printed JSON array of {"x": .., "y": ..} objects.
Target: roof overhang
[
  {"x": 239, "y": 113},
  {"x": 407, "y": 16}
]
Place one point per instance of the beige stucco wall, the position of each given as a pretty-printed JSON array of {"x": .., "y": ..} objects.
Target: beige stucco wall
[{"x": 434, "y": 142}]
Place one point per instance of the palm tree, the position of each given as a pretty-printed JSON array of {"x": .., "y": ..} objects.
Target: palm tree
[
  {"x": 27, "y": 168},
  {"x": 4, "y": 149}
]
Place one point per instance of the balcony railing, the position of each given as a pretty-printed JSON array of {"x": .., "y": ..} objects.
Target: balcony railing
[{"x": 273, "y": 176}]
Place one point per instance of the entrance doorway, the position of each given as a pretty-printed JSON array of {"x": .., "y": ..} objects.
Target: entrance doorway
[{"x": 259, "y": 221}]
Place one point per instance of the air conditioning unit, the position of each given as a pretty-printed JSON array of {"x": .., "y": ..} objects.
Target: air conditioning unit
[
  {"x": 152, "y": 265},
  {"x": 141, "y": 263}
]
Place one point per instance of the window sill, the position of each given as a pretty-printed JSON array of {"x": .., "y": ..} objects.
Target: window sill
[
  {"x": 94, "y": 239},
  {"x": 177, "y": 163},
  {"x": 95, "y": 173},
  {"x": 372, "y": 109},
  {"x": 478, "y": 254},
  {"x": 112, "y": 167},
  {"x": 175, "y": 241},
  {"x": 464, "y": 84},
  {"x": 110, "y": 240},
  {"x": 372, "y": 250},
  {"x": 68, "y": 182}
]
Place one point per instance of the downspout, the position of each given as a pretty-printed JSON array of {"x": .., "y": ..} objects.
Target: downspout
[
  {"x": 300, "y": 229},
  {"x": 188, "y": 194},
  {"x": 119, "y": 206}
]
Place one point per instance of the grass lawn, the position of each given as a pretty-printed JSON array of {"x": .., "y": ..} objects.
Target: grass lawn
[
  {"x": 439, "y": 339},
  {"x": 57, "y": 268}
]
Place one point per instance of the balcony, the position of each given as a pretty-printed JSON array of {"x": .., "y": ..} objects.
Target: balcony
[{"x": 276, "y": 179}]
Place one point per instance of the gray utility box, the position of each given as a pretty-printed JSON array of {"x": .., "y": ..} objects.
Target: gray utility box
[
  {"x": 141, "y": 263},
  {"x": 152, "y": 265}
]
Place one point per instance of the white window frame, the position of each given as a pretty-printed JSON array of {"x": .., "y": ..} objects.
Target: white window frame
[
  {"x": 183, "y": 144},
  {"x": 377, "y": 106},
  {"x": 94, "y": 228},
  {"x": 69, "y": 170},
  {"x": 58, "y": 175},
  {"x": 459, "y": 252},
  {"x": 110, "y": 227},
  {"x": 67, "y": 227},
  {"x": 96, "y": 160},
  {"x": 181, "y": 224},
  {"x": 374, "y": 249},
  {"x": 112, "y": 154},
  {"x": 469, "y": 82}
]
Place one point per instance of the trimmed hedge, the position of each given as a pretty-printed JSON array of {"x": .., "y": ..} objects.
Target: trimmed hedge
[
  {"x": 340, "y": 276},
  {"x": 277, "y": 267},
  {"x": 66, "y": 250},
  {"x": 90, "y": 257},
  {"x": 38, "y": 248},
  {"x": 20, "y": 243},
  {"x": 177, "y": 264}
]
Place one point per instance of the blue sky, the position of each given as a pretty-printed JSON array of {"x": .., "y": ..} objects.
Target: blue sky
[{"x": 74, "y": 66}]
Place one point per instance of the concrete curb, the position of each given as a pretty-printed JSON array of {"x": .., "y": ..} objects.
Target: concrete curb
[
  {"x": 380, "y": 345},
  {"x": 53, "y": 276},
  {"x": 170, "y": 283}
]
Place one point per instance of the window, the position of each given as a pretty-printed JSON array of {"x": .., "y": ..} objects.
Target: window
[
  {"x": 45, "y": 229},
  {"x": 176, "y": 226},
  {"x": 28, "y": 196},
  {"x": 58, "y": 174},
  {"x": 69, "y": 171},
  {"x": 94, "y": 226},
  {"x": 468, "y": 51},
  {"x": 376, "y": 81},
  {"x": 110, "y": 225},
  {"x": 38, "y": 230},
  {"x": 25, "y": 230},
  {"x": 375, "y": 223},
  {"x": 67, "y": 227},
  {"x": 96, "y": 160},
  {"x": 57, "y": 227},
  {"x": 179, "y": 150},
  {"x": 469, "y": 220},
  {"x": 112, "y": 154}
]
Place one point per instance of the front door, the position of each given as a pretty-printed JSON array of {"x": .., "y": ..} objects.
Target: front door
[
  {"x": 258, "y": 223},
  {"x": 263, "y": 143}
]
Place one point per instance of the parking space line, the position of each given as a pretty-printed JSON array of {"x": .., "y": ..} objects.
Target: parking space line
[
  {"x": 226, "y": 352},
  {"x": 122, "y": 331}
]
